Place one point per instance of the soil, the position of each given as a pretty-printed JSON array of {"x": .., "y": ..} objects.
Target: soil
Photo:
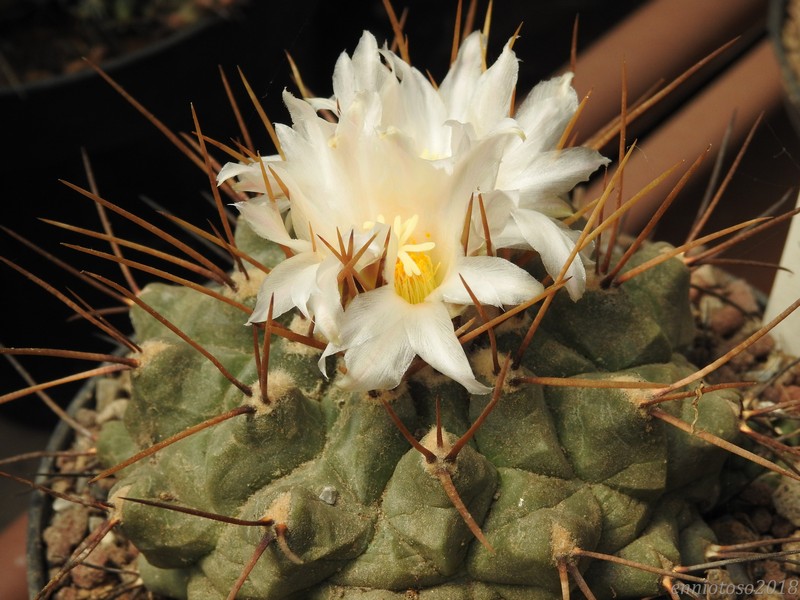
[
  {"x": 763, "y": 507},
  {"x": 109, "y": 571},
  {"x": 47, "y": 38}
]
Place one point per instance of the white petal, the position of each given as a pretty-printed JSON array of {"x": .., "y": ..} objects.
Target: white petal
[
  {"x": 477, "y": 170},
  {"x": 232, "y": 170},
  {"x": 361, "y": 72},
  {"x": 554, "y": 242},
  {"x": 546, "y": 111},
  {"x": 362, "y": 117},
  {"x": 492, "y": 280},
  {"x": 416, "y": 108},
  {"x": 367, "y": 62},
  {"x": 381, "y": 334},
  {"x": 313, "y": 129},
  {"x": 291, "y": 282},
  {"x": 265, "y": 219},
  {"x": 430, "y": 333},
  {"x": 377, "y": 351},
  {"x": 548, "y": 174},
  {"x": 459, "y": 84},
  {"x": 325, "y": 304},
  {"x": 376, "y": 365},
  {"x": 492, "y": 99},
  {"x": 250, "y": 177}
]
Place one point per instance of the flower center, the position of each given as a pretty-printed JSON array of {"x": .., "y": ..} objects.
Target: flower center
[
  {"x": 415, "y": 286},
  {"x": 414, "y": 272}
]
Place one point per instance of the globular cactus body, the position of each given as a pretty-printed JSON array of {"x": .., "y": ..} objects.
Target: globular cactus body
[{"x": 551, "y": 470}]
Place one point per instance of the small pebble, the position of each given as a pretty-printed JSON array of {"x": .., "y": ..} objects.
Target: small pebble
[
  {"x": 726, "y": 321},
  {"x": 723, "y": 582},
  {"x": 762, "y": 347},
  {"x": 67, "y": 531},
  {"x": 741, "y": 294},
  {"x": 758, "y": 493},
  {"x": 761, "y": 519},
  {"x": 88, "y": 577},
  {"x": 781, "y": 527},
  {"x": 66, "y": 593},
  {"x": 787, "y": 500},
  {"x": 733, "y": 531}
]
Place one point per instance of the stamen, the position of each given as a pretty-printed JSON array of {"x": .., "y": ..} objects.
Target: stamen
[
  {"x": 416, "y": 280},
  {"x": 414, "y": 272}
]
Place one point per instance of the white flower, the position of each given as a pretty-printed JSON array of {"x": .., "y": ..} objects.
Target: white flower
[
  {"x": 377, "y": 206},
  {"x": 535, "y": 178}
]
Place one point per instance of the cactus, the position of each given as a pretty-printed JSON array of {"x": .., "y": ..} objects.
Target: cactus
[
  {"x": 352, "y": 508},
  {"x": 551, "y": 469},
  {"x": 363, "y": 445}
]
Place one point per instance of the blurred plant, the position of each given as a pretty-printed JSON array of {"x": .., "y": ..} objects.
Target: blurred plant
[{"x": 45, "y": 38}]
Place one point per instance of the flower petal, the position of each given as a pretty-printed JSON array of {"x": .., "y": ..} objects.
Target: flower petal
[
  {"x": 265, "y": 219},
  {"x": 416, "y": 108},
  {"x": 493, "y": 280},
  {"x": 492, "y": 99},
  {"x": 325, "y": 304},
  {"x": 377, "y": 351},
  {"x": 545, "y": 175},
  {"x": 459, "y": 84},
  {"x": 250, "y": 177},
  {"x": 546, "y": 111},
  {"x": 429, "y": 330},
  {"x": 292, "y": 282},
  {"x": 480, "y": 98},
  {"x": 553, "y": 241},
  {"x": 362, "y": 72},
  {"x": 381, "y": 334}
]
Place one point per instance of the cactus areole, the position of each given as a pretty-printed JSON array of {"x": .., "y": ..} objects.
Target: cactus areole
[{"x": 382, "y": 447}]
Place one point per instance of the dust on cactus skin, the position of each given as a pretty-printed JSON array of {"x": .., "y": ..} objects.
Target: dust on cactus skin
[{"x": 321, "y": 479}]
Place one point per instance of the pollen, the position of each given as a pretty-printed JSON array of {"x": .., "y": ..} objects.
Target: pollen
[
  {"x": 414, "y": 284},
  {"x": 414, "y": 272}
]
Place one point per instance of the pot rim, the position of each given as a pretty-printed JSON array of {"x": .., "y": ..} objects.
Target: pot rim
[
  {"x": 114, "y": 64},
  {"x": 40, "y": 509}
]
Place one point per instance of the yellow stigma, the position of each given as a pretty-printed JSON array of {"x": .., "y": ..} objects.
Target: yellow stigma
[{"x": 414, "y": 286}]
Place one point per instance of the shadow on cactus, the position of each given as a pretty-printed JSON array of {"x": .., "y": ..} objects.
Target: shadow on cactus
[{"x": 450, "y": 382}]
